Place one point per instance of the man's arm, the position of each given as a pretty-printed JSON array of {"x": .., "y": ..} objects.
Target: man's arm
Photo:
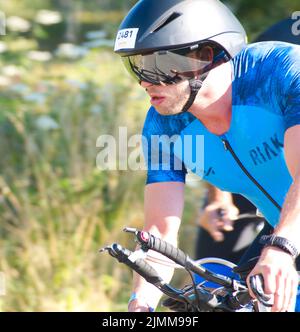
[
  {"x": 289, "y": 225},
  {"x": 276, "y": 266},
  {"x": 163, "y": 211},
  {"x": 214, "y": 222}
]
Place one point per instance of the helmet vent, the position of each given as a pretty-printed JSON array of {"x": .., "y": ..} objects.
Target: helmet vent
[{"x": 168, "y": 20}]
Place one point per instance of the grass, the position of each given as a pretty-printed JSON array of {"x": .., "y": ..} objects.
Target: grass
[{"x": 56, "y": 207}]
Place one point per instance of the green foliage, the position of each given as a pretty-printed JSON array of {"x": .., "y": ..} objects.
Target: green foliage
[{"x": 56, "y": 208}]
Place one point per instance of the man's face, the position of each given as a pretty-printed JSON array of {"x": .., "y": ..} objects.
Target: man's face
[{"x": 168, "y": 99}]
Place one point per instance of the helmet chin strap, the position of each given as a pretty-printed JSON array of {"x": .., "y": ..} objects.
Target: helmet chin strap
[
  {"x": 197, "y": 82},
  {"x": 195, "y": 86}
]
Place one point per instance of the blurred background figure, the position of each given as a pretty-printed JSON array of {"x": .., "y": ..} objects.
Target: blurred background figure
[
  {"x": 287, "y": 30},
  {"x": 227, "y": 227}
]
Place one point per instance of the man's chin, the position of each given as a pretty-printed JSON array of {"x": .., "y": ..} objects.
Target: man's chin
[{"x": 167, "y": 112}]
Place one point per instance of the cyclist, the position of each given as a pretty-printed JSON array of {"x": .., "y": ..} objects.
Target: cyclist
[
  {"x": 192, "y": 59},
  {"x": 226, "y": 237}
]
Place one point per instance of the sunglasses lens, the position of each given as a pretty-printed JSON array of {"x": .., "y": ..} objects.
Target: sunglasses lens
[{"x": 168, "y": 67}]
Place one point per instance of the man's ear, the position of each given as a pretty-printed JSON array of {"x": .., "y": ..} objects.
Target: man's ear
[{"x": 206, "y": 53}]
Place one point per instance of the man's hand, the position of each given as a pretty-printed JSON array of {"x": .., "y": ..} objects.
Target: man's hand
[
  {"x": 218, "y": 217},
  {"x": 280, "y": 278}
]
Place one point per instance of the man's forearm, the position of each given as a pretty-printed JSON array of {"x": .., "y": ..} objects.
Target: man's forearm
[
  {"x": 163, "y": 210},
  {"x": 147, "y": 291},
  {"x": 161, "y": 264},
  {"x": 276, "y": 264},
  {"x": 289, "y": 225}
]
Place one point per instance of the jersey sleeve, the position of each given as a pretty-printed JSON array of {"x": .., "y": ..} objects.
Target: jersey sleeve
[
  {"x": 159, "y": 135},
  {"x": 290, "y": 86}
]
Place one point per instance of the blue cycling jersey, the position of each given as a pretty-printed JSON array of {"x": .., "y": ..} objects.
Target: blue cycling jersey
[{"x": 249, "y": 158}]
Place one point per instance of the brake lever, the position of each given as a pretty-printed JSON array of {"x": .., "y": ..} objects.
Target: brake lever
[
  {"x": 257, "y": 287},
  {"x": 110, "y": 249},
  {"x": 141, "y": 237},
  {"x": 135, "y": 260}
]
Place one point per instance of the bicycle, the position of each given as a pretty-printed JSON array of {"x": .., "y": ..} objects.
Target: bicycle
[{"x": 232, "y": 295}]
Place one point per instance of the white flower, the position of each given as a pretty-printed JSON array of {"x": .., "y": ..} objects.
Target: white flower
[
  {"x": 76, "y": 84},
  {"x": 98, "y": 43},
  {"x": 45, "y": 122},
  {"x": 18, "y": 24},
  {"x": 71, "y": 51},
  {"x": 20, "y": 88},
  {"x": 3, "y": 47},
  {"x": 97, "y": 39},
  {"x": 98, "y": 34},
  {"x": 96, "y": 109},
  {"x": 39, "y": 56},
  {"x": 4, "y": 81},
  {"x": 48, "y": 17},
  {"x": 35, "y": 97},
  {"x": 12, "y": 70}
]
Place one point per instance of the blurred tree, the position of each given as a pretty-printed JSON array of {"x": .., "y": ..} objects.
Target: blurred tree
[
  {"x": 258, "y": 15},
  {"x": 70, "y": 8}
]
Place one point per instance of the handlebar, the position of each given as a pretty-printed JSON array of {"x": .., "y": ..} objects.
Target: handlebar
[
  {"x": 139, "y": 265},
  {"x": 135, "y": 262},
  {"x": 149, "y": 241},
  {"x": 237, "y": 294}
]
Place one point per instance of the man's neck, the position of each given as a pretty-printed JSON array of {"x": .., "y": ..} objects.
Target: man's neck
[{"x": 214, "y": 101}]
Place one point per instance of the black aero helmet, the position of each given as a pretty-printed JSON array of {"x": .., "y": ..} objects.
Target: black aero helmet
[{"x": 159, "y": 40}]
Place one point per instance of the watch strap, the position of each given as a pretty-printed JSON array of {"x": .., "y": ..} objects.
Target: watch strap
[{"x": 281, "y": 243}]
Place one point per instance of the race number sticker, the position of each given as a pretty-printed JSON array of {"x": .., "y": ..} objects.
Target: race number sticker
[{"x": 126, "y": 38}]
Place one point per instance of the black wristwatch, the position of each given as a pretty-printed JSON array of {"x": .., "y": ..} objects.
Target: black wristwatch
[{"x": 281, "y": 243}]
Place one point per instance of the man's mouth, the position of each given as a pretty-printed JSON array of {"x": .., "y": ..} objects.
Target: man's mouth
[{"x": 156, "y": 100}]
